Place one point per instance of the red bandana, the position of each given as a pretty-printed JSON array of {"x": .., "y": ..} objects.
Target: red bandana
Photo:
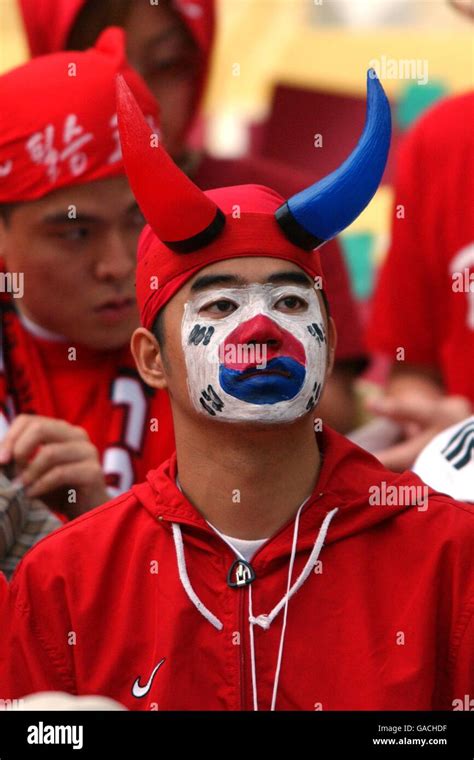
[
  {"x": 59, "y": 123},
  {"x": 190, "y": 229},
  {"x": 171, "y": 248},
  {"x": 254, "y": 232}
]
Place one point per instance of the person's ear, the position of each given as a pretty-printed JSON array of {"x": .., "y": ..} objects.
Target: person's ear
[
  {"x": 332, "y": 343},
  {"x": 148, "y": 358}
]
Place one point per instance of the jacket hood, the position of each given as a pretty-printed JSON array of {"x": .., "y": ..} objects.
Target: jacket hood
[{"x": 48, "y": 24}]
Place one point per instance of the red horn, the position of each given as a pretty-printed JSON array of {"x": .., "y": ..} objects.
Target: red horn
[{"x": 178, "y": 212}]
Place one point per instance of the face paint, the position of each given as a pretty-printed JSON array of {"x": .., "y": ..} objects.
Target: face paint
[{"x": 258, "y": 363}]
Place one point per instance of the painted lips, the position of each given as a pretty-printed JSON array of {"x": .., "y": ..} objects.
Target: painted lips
[{"x": 262, "y": 363}]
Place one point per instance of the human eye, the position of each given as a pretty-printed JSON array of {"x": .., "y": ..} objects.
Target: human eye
[
  {"x": 174, "y": 61},
  {"x": 218, "y": 308},
  {"x": 74, "y": 234},
  {"x": 291, "y": 304},
  {"x": 175, "y": 66},
  {"x": 136, "y": 218}
]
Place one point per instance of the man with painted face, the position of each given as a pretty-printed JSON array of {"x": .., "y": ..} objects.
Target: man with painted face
[{"x": 265, "y": 565}]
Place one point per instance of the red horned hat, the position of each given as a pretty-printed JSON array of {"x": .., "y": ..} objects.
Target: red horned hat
[{"x": 188, "y": 229}]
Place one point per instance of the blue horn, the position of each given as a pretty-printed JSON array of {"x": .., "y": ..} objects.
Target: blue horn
[{"x": 321, "y": 211}]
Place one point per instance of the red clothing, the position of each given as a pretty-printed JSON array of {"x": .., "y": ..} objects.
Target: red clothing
[
  {"x": 103, "y": 393},
  {"x": 129, "y": 423},
  {"x": 385, "y": 622},
  {"x": 415, "y": 305},
  {"x": 287, "y": 181}
]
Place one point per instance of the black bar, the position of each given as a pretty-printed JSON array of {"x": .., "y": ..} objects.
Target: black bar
[{"x": 213, "y": 734}]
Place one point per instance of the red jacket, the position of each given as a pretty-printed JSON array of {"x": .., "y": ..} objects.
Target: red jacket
[{"x": 383, "y": 621}]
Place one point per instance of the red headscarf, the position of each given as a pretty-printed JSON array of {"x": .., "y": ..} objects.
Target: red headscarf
[
  {"x": 161, "y": 271},
  {"x": 188, "y": 229},
  {"x": 58, "y": 119}
]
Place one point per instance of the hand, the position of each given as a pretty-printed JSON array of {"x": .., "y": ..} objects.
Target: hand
[
  {"x": 51, "y": 458},
  {"x": 421, "y": 419}
]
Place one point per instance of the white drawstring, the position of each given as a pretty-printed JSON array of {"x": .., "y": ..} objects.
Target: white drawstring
[
  {"x": 184, "y": 578},
  {"x": 285, "y": 614},
  {"x": 264, "y": 621},
  {"x": 254, "y": 621}
]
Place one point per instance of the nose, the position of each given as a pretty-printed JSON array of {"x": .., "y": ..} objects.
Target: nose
[
  {"x": 261, "y": 330},
  {"x": 116, "y": 260}
]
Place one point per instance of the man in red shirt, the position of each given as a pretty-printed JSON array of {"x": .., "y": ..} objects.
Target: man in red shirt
[
  {"x": 262, "y": 567},
  {"x": 170, "y": 45},
  {"x": 82, "y": 422},
  {"x": 423, "y": 310}
]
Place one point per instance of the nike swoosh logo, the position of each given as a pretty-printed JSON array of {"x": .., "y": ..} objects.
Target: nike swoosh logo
[{"x": 141, "y": 691}]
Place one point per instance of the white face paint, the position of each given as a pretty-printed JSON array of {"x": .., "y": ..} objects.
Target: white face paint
[{"x": 259, "y": 363}]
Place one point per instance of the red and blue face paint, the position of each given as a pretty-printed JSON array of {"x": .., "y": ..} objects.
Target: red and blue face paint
[
  {"x": 279, "y": 377},
  {"x": 262, "y": 359}
]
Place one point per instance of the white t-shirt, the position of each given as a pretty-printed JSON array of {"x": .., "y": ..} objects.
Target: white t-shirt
[{"x": 247, "y": 548}]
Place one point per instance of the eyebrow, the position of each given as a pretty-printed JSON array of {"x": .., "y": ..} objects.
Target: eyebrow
[
  {"x": 61, "y": 217},
  {"x": 211, "y": 280},
  {"x": 296, "y": 278}
]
